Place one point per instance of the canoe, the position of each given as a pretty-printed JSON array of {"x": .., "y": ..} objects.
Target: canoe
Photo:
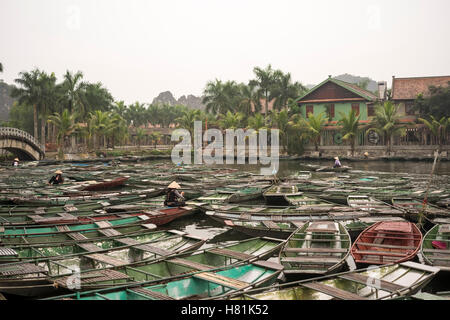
[
  {"x": 306, "y": 201},
  {"x": 201, "y": 285},
  {"x": 276, "y": 195},
  {"x": 105, "y": 185},
  {"x": 181, "y": 265},
  {"x": 301, "y": 175},
  {"x": 357, "y": 225},
  {"x": 373, "y": 206},
  {"x": 373, "y": 283},
  {"x": 414, "y": 207},
  {"x": 315, "y": 248},
  {"x": 435, "y": 247},
  {"x": 16, "y": 278},
  {"x": 62, "y": 233},
  {"x": 279, "y": 229},
  {"x": 387, "y": 242},
  {"x": 331, "y": 169}
]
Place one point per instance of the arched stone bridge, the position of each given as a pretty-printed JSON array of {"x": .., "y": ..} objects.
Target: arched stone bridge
[{"x": 21, "y": 143}]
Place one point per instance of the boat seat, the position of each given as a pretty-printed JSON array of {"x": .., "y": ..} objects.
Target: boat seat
[
  {"x": 368, "y": 244},
  {"x": 382, "y": 253},
  {"x": 232, "y": 254},
  {"x": 372, "y": 282},
  {"x": 103, "y": 224},
  {"x": 222, "y": 280},
  {"x": 437, "y": 251},
  {"x": 310, "y": 259},
  {"x": 319, "y": 250},
  {"x": 109, "y": 232},
  {"x": 190, "y": 264},
  {"x": 20, "y": 269},
  {"x": 106, "y": 259},
  {"x": 8, "y": 252},
  {"x": 271, "y": 225},
  {"x": 151, "y": 294},
  {"x": 89, "y": 247},
  {"x": 93, "y": 277},
  {"x": 331, "y": 291},
  {"x": 63, "y": 228}
]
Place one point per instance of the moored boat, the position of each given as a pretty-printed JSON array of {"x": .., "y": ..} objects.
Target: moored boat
[
  {"x": 315, "y": 248},
  {"x": 387, "y": 242},
  {"x": 435, "y": 247}
]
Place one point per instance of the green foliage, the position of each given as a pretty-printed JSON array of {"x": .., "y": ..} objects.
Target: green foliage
[
  {"x": 438, "y": 128},
  {"x": 436, "y": 105},
  {"x": 350, "y": 127},
  {"x": 19, "y": 117}
]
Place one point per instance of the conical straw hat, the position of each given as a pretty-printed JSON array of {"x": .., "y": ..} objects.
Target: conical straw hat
[
  {"x": 336, "y": 158},
  {"x": 58, "y": 172},
  {"x": 16, "y": 159},
  {"x": 174, "y": 185},
  {"x": 366, "y": 153}
]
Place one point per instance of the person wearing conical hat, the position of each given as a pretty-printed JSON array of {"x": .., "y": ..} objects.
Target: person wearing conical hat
[
  {"x": 57, "y": 178},
  {"x": 337, "y": 163},
  {"x": 16, "y": 162},
  {"x": 366, "y": 154},
  {"x": 173, "y": 197}
]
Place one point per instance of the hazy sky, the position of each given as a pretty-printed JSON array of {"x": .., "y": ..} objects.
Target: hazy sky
[{"x": 139, "y": 48}]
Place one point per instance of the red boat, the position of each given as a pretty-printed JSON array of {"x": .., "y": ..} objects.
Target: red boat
[
  {"x": 387, "y": 242},
  {"x": 166, "y": 215},
  {"x": 106, "y": 184}
]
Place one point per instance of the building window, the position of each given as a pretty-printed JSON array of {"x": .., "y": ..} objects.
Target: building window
[
  {"x": 409, "y": 108},
  {"x": 370, "y": 110},
  {"x": 355, "y": 106},
  {"x": 309, "y": 109},
  {"x": 332, "y": 110}
]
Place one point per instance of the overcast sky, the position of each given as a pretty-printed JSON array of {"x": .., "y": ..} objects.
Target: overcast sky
[{"x": 139, "y": 48}]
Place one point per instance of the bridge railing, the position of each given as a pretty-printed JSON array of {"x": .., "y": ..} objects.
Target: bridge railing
[{"x": 21, "y": 135}]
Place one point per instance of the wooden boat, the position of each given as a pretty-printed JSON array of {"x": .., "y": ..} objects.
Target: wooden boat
[
  {"x": 62, "y": 233},
  {"x": 372, "y": 205},
  {"x": 387, "y": 242},
  {"x": 279, "y": 229},
  {"x": 414, "y": 207},
  {"x": 331, "y": 169},
  {"x": 277, "y": 193},
  {"x": 315, "y": 248},
  {"x": 286, "y": 216},
  {"x": 32, "y": 252},
  {"x": 435, "y": 247},
  {"x": 309, "y": 203},
  {"x": 379, "y": 283},
  {"x": 17, "y": 278},
  {"x": 199, "y": 286},
  {"x": 301, "y": 175},
  {"x": 181, "y": 265},
  {"x": 357, "y": 225},
  {"x": 105, "y": 185}
]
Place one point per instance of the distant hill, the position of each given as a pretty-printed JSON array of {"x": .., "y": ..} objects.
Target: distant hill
[
  {"x": 6, "y": 101},
  {"x": 190, "y": 100},
  {"x": 372, "y": 85}
]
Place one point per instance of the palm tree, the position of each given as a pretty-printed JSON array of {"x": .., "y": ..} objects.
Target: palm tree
[
  {"x": 438, "y": 129},
  {"x": 117, "y": 128},
  {"x": 99, "y": 126},
  {"x": 280, "y": 120},
  {"x": 49, "y": 99},
  {"x": 284, "y": 90},
  {"x": 75, "y": 92},
  {"x": 65, "y": 125},
  {"x": 221, "y": 97},
  {"x": 313, "y": 126},
  {"x": 155, "y": 137},
  {"x": 386, "y": 123},
  {"x": 265, "y": 81},
  {"x": 257, "y": 122},
  {"x": 29, "y": 93},
  {"x": 186, "y": 121},
  {"x": 140, "y": 134},
  {"x": 248, "y": 97},
  {"x": 230, "y": 120},
  {"x": 350, "y": 128}
]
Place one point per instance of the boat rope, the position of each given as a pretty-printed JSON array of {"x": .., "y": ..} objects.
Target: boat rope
[{"x": 425, "y": 199}]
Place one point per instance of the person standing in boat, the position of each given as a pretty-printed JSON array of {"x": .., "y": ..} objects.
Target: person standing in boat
[
  {"x": 337, "y": 163},
  {"x": 174, "y": 198},
  {"x": 56, "y": 179},
  {"x": 16, "y": 162}
]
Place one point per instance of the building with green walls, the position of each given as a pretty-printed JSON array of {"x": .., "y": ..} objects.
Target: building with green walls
[{"x": 333, "y": 96}]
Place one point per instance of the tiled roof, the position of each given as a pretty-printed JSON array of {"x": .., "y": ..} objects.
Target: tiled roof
[{"x": 409, "y": 88}]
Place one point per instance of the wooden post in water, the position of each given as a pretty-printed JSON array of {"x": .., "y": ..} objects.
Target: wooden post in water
[{"x": 425, "y": 199}]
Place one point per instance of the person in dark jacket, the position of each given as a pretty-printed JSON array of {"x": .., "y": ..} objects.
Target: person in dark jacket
[
  {"x": 57, "y": 179},
  {"x": 173, "y": 197}
]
